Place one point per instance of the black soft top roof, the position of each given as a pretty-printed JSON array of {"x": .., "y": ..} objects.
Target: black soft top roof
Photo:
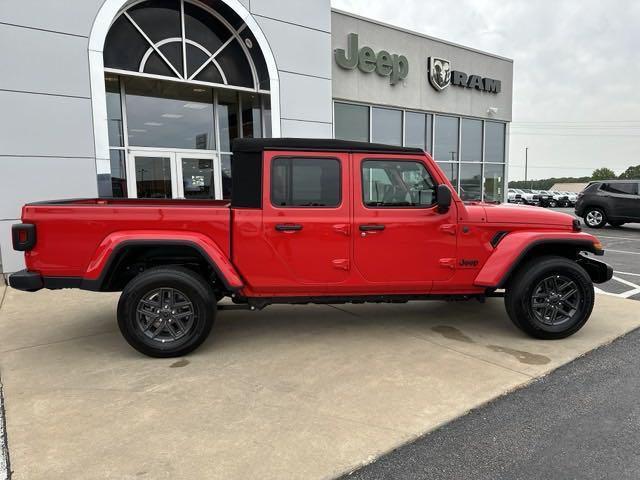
[{"x": 255, "y": 145}]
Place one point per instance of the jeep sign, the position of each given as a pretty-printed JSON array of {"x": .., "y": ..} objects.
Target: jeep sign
[{"x": 396, "y": 67}]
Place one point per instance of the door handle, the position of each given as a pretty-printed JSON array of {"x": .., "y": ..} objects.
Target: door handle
[
  {"x": 290, "y": 227},
  {"x": 371, "y": 227}
]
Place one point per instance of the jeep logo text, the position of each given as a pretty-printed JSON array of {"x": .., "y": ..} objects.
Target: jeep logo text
[{"x": 396, "y": 67}]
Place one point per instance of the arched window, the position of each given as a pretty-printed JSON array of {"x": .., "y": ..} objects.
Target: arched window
[{"x": 188, "y": 40}]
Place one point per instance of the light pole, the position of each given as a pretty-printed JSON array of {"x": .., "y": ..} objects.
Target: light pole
[{"x": 526, "y": 163}]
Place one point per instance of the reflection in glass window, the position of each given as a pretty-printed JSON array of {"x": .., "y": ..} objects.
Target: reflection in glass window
[
  {"x": 227, "y": 118},
  {"x": 386, "y": 126},
  {"x": 494, "y": 142},
  {"x": 450, "y": 169},
  {"x": 493, "y": 183},
  {"x": 351, "y": 122},
  {"x": 630, "y": 188},
  {"x": 471, "y": 147},
  {"x": 267, "y": 116},
  {"x": 118, "y": 174},
  {"x": 389, "y": 183},
  {"x": 153, "y": 177},
  {"x": 114, "y": 111},
  {"x": 251, "y": 115},
  {"x": 186, "y": 41},
  {"x": 415, "y": 130},
  {"x": 470, "y": 181},
  {"x": 225, "y": 160},
  {"x": 198, "y": 178},
  {"x": 446, "y": 141},
  {"x": 168, "y": 114},
  {"x": 305, "y": 182}
]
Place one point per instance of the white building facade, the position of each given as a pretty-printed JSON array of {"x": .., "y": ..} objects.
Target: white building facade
[{"x": 142, "y": 99}]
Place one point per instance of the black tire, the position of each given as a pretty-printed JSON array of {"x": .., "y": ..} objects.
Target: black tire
[
  {"x": 174, "y": 298},
  {"x": 594, "y": 217},
  {"x": 553, "y": 204},
  {"x": 527, "y": 283},
  {"x": 616, "y": 224}
]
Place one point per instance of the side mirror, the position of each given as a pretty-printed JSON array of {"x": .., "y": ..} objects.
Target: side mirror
[{"x": 443, "y": 198}]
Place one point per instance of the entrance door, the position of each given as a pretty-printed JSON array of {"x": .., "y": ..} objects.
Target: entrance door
[
  {"x": 398, "y": 237},
  {"x": 171, "y": 174},
  {"x": 151, "y": 175}
]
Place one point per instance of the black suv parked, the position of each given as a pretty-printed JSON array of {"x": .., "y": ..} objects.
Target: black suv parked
[{"x": 611, "y": 201}]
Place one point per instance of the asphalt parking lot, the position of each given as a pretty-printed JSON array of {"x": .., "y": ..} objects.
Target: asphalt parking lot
[{"x": 622, "y": 252}]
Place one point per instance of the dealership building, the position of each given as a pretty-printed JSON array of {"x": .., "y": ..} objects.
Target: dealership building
[{"x": 142, "y": 99}]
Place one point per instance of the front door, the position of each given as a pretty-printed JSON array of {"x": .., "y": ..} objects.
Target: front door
[
  {"x": 306, "y": 219},
  {"x": 173, "y": 174},
  {"x": 400, "y": 238}
]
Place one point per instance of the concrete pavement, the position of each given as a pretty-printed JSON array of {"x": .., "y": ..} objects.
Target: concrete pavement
[
  {"x": 580, "y": 422},
  {"x": 289, "y": 392}
]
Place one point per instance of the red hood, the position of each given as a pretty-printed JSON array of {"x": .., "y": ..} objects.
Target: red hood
[{"x": 508, "y": 213}]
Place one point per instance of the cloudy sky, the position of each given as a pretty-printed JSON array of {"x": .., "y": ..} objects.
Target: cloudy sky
[{"x": 576, "y": 101}]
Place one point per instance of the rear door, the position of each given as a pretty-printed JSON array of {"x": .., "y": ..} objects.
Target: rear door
[
  {"x": 400, "y": 238},
  {"x": 306, "y": 217},
  {"x": 624, "y": 199}
]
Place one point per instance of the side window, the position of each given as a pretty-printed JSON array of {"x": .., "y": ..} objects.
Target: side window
[
  {"x": 621, "y": 188},
  {"x": 397, "y": 183},
  {"x": 305, "y": 182}
]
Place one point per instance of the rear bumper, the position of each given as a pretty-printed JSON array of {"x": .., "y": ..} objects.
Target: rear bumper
[
  {"x": 32, "y": 282},
  {"x": 26, "y": 281}
]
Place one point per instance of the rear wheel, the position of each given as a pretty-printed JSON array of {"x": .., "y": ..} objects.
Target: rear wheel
[
  {"x": 166, "y": 311},
  {"x": 594, "y": 217},
  {"x": 550, "y": 298}
]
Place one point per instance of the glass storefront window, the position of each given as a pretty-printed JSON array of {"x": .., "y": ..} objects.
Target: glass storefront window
[
  {"x": 169, "y": 115},
  {"x": 494, "y": 142},
  {"x": 386, "y": 126},
  {"x": 415, "y": 130},
  {"x": 251, "y": 115},
  {"x": 114, "y": 111},
  {"x": 351, "y": 122},
  {"x": 267, "y": 116},
  {"x": 450, "y": 169},
  {"x": 446, "y": 138},
  {"x": 225, "y": 161},
  {"x": 471, "y": 145},
  {"x": 118, "y": 174},
  {"x": 470, "y": 181},
  {"x": 493, "y": 182},
  {"x": 227, "y": 118}
]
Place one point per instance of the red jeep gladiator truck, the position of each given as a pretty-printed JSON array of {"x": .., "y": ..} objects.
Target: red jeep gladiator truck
[{"x": 310, "y": 221}]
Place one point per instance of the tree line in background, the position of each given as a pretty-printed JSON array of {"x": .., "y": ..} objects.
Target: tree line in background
[{"x": 598, "y": 174}]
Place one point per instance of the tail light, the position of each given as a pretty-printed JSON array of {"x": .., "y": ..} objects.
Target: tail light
[{"x": 23, "y": 236}]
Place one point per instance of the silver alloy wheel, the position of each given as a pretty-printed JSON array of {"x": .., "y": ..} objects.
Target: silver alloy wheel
[
  {"x": 555, "y": 300},
  {"x": 593, "y": 218},
  {"x": 165, "y": 315}
]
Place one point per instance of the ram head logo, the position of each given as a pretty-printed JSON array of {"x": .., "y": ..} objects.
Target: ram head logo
[{"x": 439, "y": 73}]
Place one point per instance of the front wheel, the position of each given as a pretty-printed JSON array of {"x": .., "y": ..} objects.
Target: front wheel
[
  {"x": 553, "y": 204},
  {"x": 595, "y": 217},
  {"x": 166, "y": 311},
  {"x": 550, "y": 298}
]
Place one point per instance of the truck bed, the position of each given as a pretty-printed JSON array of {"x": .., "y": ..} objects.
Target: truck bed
[{"x": 69, "y": 233}]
